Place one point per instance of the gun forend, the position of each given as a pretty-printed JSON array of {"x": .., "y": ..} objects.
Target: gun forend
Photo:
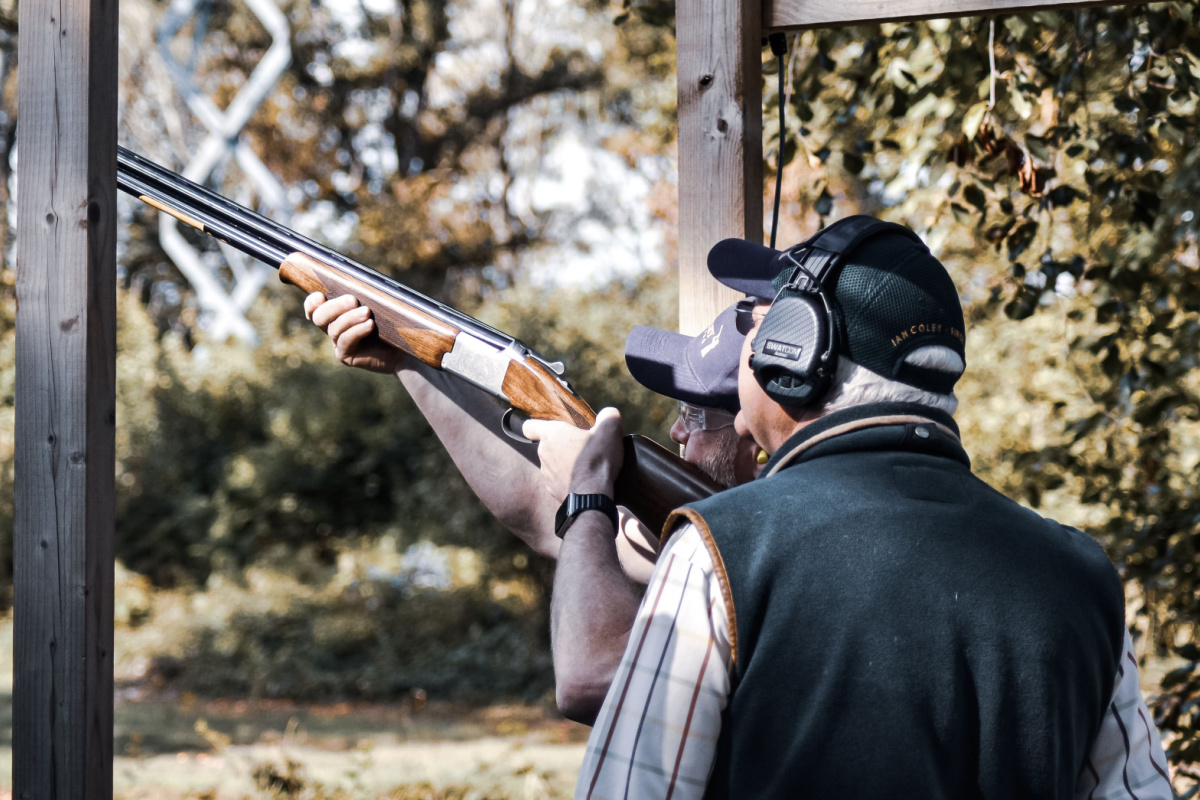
[{"x": 419, "y": 334}]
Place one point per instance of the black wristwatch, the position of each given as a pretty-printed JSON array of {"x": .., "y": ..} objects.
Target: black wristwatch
[{"x": 576, "y": 504}]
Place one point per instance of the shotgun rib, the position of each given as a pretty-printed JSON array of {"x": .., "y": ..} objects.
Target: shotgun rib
[{"x": 653, "y": 481}]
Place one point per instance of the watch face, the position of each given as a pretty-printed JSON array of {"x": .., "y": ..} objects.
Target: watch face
[{"x": 561, "y": 517}]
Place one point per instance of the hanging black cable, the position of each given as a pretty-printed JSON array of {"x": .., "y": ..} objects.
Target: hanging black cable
[{"x": 779, "y": 48}]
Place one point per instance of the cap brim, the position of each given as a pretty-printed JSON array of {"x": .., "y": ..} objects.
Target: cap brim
[
  {"x": 656, "y": 360},
  {"x": 745, "y": 266}
]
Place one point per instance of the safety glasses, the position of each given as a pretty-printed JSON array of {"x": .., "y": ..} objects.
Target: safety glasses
[{"x": 701, "y": 418}]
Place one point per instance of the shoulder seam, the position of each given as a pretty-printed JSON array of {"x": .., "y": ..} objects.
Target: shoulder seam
[{"x": 693, "y": 516}]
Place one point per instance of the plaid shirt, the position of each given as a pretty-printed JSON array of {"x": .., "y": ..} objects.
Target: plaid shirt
[{"x": 656, "y": 736}]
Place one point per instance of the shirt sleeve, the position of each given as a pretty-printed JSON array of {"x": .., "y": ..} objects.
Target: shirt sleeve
[
  {"x": 1127, "y": 759},
  {"x": 637, "y": 546},
  {"x": 656, "y": 734}
]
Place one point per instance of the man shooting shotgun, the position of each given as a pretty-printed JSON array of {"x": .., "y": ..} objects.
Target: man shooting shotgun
[
  {"x": 434, "y": 334},
  {"x": 423, "y": 342}
]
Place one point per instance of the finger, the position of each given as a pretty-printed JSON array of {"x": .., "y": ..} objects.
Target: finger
[
  {"x": 353, "y": 336},
  {"x": 311, "y": 302},
  {"x": 344, "y": 322},
  {"x": 608, "y": 419},
  {"x": 535, "y": 429},
  {"x": 548, "y": 428},
  {"x": 608, "y": 412},
  {"x": 331, "y": 309},
  {"x": 347, "y": 344}
]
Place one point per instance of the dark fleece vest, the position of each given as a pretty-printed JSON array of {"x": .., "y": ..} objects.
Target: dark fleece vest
[{"x": 900, "y": 629}]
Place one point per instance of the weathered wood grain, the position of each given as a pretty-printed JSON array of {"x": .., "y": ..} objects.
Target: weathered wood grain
[
  {"x": 66, "y": 351},
  {"x": 799, "y": 14},
  {"x": 720, "y": 144}
]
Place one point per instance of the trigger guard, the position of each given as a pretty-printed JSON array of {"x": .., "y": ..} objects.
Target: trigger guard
[{"x": 511, "y": 423}]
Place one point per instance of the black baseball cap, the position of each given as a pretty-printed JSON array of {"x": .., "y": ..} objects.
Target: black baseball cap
[
  {"x": 892, "y": 297},
  {"x": 701, "y": 370}
]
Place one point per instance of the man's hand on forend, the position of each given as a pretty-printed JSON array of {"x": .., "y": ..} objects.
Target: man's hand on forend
[{"x": 349, "y": 327}]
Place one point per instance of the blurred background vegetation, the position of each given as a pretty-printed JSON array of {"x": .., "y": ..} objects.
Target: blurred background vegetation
[{"x": 289, "y": 529}]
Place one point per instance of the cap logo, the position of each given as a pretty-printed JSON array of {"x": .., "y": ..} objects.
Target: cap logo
[
  {"x": 930, "y": 327},
  {"x": 782, "y": 350},
  {"x": 716, "y": 340}
]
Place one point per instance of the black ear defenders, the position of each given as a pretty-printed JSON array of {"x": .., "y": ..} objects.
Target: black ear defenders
[{"x": 794, "y": 354}]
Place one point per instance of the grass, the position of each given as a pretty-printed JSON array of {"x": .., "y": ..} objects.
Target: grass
[{"x": 356, "y": 682}]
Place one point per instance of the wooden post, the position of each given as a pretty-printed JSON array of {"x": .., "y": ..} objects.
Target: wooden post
[
  {"x": 720, "y": 143},
  {"x": 66, "y": 359}
]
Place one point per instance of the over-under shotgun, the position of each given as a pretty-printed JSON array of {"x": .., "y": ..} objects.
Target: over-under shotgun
[{"x": 652, "y": 482}]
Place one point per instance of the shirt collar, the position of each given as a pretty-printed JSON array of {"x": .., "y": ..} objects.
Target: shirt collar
[{"x": 873, "y": 426}]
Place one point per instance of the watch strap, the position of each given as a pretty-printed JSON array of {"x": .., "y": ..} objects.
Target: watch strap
[{"x": 576, "y": 504}]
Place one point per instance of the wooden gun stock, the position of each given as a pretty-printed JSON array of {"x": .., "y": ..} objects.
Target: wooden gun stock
[{"x": 654, "y": 482}]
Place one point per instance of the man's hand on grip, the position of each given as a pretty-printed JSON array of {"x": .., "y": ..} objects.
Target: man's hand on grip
[
  {"x": 575, "y": 460},
  {"x": 349, "y": 327}
]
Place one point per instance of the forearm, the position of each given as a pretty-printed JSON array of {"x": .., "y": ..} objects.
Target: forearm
[
  {"x": 502, "y": 472},
  {"x": 592, "y": 611}
]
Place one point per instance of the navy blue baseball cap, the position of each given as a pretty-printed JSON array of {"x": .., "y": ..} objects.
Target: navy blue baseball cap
[
  {"x": 701, "y": 370},
  {"x": 892, "y": 297}
]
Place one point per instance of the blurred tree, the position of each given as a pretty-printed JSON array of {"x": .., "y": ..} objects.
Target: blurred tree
[
  {"x": 283, "y": 446},
  {"x": 403, "y": 127}
]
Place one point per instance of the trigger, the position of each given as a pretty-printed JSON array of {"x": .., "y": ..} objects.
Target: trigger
[{"x": 511, "y": 423}]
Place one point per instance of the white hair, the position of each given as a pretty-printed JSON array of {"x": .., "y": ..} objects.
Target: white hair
[{"x": 855, "y": 386}]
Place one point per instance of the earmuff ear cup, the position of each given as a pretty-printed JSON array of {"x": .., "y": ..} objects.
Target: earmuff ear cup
[{"x": 787, "y": 350}]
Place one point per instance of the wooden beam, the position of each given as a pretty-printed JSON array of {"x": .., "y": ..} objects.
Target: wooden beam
[
  {"x": 800, "y": 14},
  {"x": 65, "y": 400},
  {"x": 720, "y": 144}
]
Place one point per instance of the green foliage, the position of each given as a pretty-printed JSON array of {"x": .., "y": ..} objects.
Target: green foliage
[
  {"x": 366, "y": 640},
  {"x": 226, "y": 453}
]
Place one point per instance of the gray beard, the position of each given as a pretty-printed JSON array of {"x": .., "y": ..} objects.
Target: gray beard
[{"x": 720, "y": 464}]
